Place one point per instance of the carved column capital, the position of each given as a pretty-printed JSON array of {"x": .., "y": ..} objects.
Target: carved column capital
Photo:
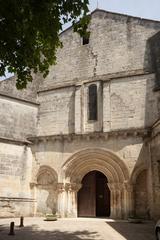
[
  {"x": 60, "y": 187},
  {"x": 73, "y": 187},
  {"x": 115, "y": 186},
  {"x": 128, "y": 187}
]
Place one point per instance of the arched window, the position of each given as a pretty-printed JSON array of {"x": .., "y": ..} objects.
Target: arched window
[{"x": 92, "y": 102}]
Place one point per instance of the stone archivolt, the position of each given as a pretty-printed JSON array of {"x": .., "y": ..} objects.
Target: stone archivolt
[
  {"x": 101, "y": 160},
  {"x": 87, "y": 160}
]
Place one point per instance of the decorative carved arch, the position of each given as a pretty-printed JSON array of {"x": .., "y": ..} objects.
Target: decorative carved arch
[
  {"x": 136, "y": 173},
  {"x": 46, "y": 175},
  {"x": 105, "y": 161}
]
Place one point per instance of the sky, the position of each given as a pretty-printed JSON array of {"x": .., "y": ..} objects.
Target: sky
[{"x": 149, "y": 9}]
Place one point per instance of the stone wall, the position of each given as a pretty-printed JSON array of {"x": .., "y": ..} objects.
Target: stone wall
[
  {"x": 133, "y": 103},
  {"x": 125, "y": 103},
  {"x": 15, "y": 177},
  {"x": 118, "y": 44},
  {"x": 154, "y": 145},
  {"x": 119, "y": 61},
  {"x": 17, "y": 118},
  {"x": 56, "y": 112},
  {"x": 8, "y": 87}
]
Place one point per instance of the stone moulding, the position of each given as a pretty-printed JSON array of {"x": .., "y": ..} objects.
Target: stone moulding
[
  {"x": 16, "y": 199},
  {"x": 15, "y": 141},
  {"x": 106, "y": 77},
  {"x": 26, "y": 101},
  {"x": 144, "y": 133}
]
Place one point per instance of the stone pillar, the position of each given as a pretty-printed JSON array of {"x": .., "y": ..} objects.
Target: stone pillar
[
  {"x": 116, "y": 190},
  {"x": 33, "y": 186},
  {"x": 119, "y": 206},
  {"x": 61, "y": 206},
  {"x": 73, "y": 188},
  {"x": 128, "y": 200},
  {"x": 112, "y": 200}
]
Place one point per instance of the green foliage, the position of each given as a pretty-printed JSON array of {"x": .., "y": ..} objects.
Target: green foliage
[{"x": 29, "y": 34}]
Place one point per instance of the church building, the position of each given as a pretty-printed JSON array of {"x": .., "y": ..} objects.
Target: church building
[{"x": 85, "y": 141}]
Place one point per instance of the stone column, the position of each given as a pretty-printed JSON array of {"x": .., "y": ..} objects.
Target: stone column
[
  {"x": 128, "y": 200},
  {"x": 33, "y": 186},
  {"x": 73, "y": 188},
  {"x": 112, "y": 200},
  {"x": 116, "y": 190},
  {"x": 119, "y": 191},
  {"x": 61, "y": 205}
]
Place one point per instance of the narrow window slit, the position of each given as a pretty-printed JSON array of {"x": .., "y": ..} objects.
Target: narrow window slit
[{"x": 92, "y": 102}]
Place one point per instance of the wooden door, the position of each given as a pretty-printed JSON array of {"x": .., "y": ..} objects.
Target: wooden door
[
  {"x": 86, "y": 196},
  {"x": 102, "y": 196},
  {"x": 94, "y": 196}
]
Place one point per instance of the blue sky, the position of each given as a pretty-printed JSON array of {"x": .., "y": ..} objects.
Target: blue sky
[{"x": 141, "y": 8}]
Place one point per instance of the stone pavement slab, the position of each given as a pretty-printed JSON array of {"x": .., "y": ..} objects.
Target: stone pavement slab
[{"x": 77, "y": 229}]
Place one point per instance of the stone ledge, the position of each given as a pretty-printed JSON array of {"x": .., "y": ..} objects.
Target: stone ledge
[
  {"x": 5, "y": 95},
  {"x": 15, "y": 141},
  {"x": 144, "y": 133},
  {"x": 106, "y": 77},
  {"x": 16, "y": 199}
]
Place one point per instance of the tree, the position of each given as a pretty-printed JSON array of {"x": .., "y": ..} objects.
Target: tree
[{"x": 29, "y": 34}]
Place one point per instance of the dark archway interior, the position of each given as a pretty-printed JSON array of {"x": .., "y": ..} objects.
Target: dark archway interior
[{"x": 94, "y": 196}]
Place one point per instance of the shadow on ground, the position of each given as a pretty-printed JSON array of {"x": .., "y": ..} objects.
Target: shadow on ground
[
  {"x": 34, "y": 233},
  {"x": 132, "y": 231}
]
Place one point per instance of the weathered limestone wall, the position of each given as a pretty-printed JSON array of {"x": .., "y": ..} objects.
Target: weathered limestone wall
[
  {"x": 15, "y": 176},
  {"x": 155, "y": 160},
  {"x": 56, "y": 112},
  {"x": 122, "y": 104},
  {"x": 141, "y": 195},
  {"x": 17, "y": 118},
  {"x": 8, "y": 87},
  {"x": 118, "y": 59},
  {"x": 132, "y": 103},
  {"x": 118, "y": 44}
]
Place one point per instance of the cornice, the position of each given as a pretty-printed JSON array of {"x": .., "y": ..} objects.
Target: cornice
[{"x": 143, "y": 133}]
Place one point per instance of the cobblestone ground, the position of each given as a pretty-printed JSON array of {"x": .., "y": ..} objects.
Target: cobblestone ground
[{"x": 77, "y": 229}]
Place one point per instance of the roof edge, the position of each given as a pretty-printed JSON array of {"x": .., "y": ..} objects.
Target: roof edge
[{"x": 118, "y": 14}]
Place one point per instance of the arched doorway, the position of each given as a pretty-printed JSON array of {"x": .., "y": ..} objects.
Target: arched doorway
[
  {"x": 94, "y": 196},
  {"x": 107, "y": 163}
]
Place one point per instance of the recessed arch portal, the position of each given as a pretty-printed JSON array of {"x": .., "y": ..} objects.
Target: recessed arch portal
[{"x": 107, "y": 163}]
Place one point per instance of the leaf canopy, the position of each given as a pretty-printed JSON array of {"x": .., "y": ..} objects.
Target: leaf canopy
[{"x": 29, "y": 34}]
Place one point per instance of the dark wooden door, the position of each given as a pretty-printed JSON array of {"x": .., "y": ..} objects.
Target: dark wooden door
[
  {"x": 102, "y": 196},
  {"x": 86, "y": 196},
  {"x": 94, "y": 196}
]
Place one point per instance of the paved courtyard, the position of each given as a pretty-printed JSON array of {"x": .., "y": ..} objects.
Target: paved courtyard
[{"x": 76, "y": 229}]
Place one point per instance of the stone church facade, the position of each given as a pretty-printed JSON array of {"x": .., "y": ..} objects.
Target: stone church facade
[{"x": 85, "y": 141}]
